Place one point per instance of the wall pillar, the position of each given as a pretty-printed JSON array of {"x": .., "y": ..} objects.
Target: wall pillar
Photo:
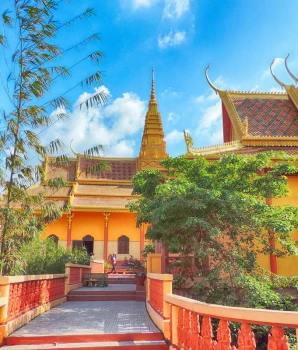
[
  {"x": 142, "y": 244},
  {"x": 273, "y": 260},
  {"x": 70, "y": 215},
  {"x": 106, "y": 236}
]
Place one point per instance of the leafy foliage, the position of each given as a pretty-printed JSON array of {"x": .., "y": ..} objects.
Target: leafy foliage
[
  {"x": 45, "y": 256},
  {"x": 31, "y": 65},
  {"x": 218, "y": 211},
  {"x": 149, "y": 249}
]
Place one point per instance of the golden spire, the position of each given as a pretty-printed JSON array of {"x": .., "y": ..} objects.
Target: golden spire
[
  {"x": 152, "y": 96},
  {"x": 153, "y": 147}
]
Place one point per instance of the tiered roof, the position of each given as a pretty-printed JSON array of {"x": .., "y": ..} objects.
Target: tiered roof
[
  {"x": 108, "y": 190},
  {"x": 255, "y": 122}
]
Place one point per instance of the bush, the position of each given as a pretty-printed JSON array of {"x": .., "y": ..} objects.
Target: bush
[
  {"x": 45, "y": 256},
  {"x": 149, "y": 249}
]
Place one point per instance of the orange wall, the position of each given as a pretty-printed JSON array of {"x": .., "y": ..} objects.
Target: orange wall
[
  {"x": 86, "y": 223},
  {"x": 123, "y": 224},
  {"x": 286, "y": 266},
  {"x": 58, "y": 228}
]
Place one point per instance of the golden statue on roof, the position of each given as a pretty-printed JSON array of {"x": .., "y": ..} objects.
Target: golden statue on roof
[{"x": 188, "y": 140}]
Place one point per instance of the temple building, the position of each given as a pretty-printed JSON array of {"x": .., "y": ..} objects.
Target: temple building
[
  {"x": 99, "y": 218},
  {"x": 255, "y": 122},
  {"x": 252, "y": 123}
]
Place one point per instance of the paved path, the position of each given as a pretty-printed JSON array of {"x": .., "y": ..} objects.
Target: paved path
[{"x": 93, "y": 317}]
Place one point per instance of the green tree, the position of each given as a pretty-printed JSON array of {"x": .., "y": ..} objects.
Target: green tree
[
  {"x": 218, "y": 211},
  {"x": 29, "y": 68}
]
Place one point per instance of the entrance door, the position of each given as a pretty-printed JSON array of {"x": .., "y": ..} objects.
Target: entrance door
[{"x": 88, "y": 242}]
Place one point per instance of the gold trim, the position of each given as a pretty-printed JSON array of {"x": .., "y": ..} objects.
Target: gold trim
[
  {"x": 106, "y": 215},
  {"x": 259, "y": 95},
  {"x": 288, "y": 70},
  {"x": 70, "y": 216},
  {"x": 293, "y": 94},
  {"x": 234, "y": 117}
]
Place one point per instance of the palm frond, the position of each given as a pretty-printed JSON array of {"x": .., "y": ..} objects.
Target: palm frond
[
  {"x": 98, "y": 98},
  {"x": 93, "y": 78},
  {"x": 94, "y": 150},
  {"x": 7, "y": 19}
]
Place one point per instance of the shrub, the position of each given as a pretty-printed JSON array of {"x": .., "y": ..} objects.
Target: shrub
[{"x": 45, "y": 256}]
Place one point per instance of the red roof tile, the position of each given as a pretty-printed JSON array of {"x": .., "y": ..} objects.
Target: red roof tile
[
  {"x": 62, "y": 192},
  {"x": 121, "y": 169},
  {"x": 268, "y": 117},
  {"x": 67, "y": 171},
  {"x": 249, "y": 150}
]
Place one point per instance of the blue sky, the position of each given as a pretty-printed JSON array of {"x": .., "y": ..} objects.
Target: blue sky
[{"x": 178, "y": 38}]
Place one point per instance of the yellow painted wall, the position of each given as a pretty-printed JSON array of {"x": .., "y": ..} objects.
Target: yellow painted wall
[
  {"x": 58, "y": 228},
  {"x": 123, "y": 224},
  {"x": 86, "y": 223},
  {"x": 285, "y": 266}
]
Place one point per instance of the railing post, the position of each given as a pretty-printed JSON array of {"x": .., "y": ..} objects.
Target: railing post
[{"x": 174, "y": 325}]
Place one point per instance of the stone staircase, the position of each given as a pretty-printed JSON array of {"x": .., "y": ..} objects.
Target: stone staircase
[
  {"x": 100, "y": 294},
  {"x": 142, "y": 341},
  {"x": 122, "y": 289}
]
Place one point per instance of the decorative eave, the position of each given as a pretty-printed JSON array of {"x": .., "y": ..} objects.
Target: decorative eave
[
  {"x": 132, "y": 196},
  {"x": 293, "y": 94},
  {"x": 277, "y": 141},
  {"x": 103, "y": 181},
  {"x": 211, "y": 149},
  {"x": 101, "y": 209}
]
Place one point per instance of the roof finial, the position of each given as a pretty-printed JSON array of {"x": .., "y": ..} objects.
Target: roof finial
[
  {"x": 152, "y": 96},
  {"x": 75, "y": 153},
  {"x": 274, "y": 77},
  {"x": 291, "y": 74},
  {"x": 209, "y": 82}
]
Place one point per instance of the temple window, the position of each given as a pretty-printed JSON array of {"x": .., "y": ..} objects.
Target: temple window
[
  {"x": 88, "y": 242},
  {"x": 123, "y": 245},
  {"x": 54, "y": 238}
]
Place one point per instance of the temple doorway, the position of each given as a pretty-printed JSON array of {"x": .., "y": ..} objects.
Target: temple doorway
[{"x": 88, "y": 242}]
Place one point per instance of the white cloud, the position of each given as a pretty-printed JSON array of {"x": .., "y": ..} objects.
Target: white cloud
[
  {"x": 173, "y": 117},
  {"x": 175, "y": 8},
  {"x": 113, "y": 125},
  {"x": 209, "y": 127},
  {"x": 170, "y": 93},
  {"x": 276, "y": 89},
  {"x": 202, "y": 99},
  {"x": 143, "y": 3},
  {"x": 174, "y": 136},
  {"x": 172, "y": 39},
  {"x": 216, "y": 137},
  {"x": 211, "y": 116}
]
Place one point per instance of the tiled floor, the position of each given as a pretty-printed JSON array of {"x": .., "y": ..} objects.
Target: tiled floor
[{"x": 93, "y": 317}]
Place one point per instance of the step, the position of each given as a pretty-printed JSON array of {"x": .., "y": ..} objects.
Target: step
[
  {"x": 105, "y": 297},
  {"x": 121, "y": 280},
  {"x": 141, "y": 345},
  {"x": 103, "y": 291},
  {"x": 84, "y": 339}
]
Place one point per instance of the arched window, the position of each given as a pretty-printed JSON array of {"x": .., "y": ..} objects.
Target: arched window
[
  {"x": 54, "y": 238},
  {"x": 123, "y": 245},
  {"x": 88, "y": 242}
]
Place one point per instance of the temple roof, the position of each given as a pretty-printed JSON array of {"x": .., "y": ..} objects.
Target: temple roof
[
  {"x": 120, "y": 169},
  {"x": 267, "y": 116},
  {"x": 254, "y": 122},
  {"x": 103, "y": 203},
  {"x": 116, "y": 190}
]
